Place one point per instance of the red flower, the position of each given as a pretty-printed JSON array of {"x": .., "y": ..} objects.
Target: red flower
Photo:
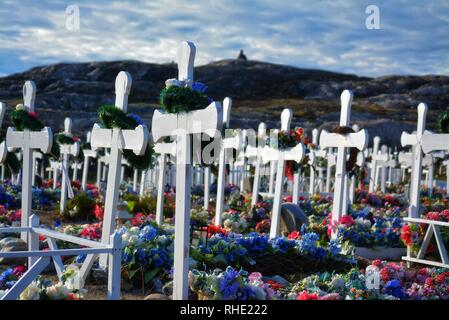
[
  {"x": 440, "y": 278},
  {"x": 274, "y": 285},
  {"x": 19, "y": 270},
  {"x": 385, "y": 274},
  {"x": 294, "y": 235},
  {"x": 72, "y": 296},
  {"x": 32, "y": 114},
  {"x": 429, "y": 282},
  {"x": 99, "y": 212},
  {"x": 213, "y": 229},
  {"x": 304, "y": 295},
  {"x": 138, "y": 219},
  {"x": 406, "y": 235},
  {"x": 377, "y": 262},
  {"x": 347, "y": 220}
]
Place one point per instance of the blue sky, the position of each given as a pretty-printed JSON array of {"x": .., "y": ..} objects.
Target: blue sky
[{"x": 413, "y": 37}]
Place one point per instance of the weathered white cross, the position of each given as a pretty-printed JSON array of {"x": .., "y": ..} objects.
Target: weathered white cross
[
  {"x": 183, "y": 126},
  {"x": 416, "y": 140},
  {"x": 88, "y": 154},
  {"x": 3, "y": 149},
  {"x": 164, "y": 149},
  {"x": 229, "y": 143},
  {"x": 256, "y": 151},
  {"x": 375, "y": 157},
  {"x": 381, "y": 171},
  {"x": 273, "y": 153},
  {"x": 66, "y": 151},
  {"x": 28, "y": 141},
  {"x": 117, "y": 140},
  {"x": 357, "y": 140}
]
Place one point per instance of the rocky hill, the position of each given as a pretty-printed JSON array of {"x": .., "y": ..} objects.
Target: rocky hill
[{"x": 385, "y": 106}]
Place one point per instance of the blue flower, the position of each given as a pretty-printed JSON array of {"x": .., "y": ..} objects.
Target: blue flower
[
  {"x": 334, "y": 247},
  {"x": 148, "y": 233},
  {"x": 199, "y": 87},
  {"x": 80, "y": 258}
]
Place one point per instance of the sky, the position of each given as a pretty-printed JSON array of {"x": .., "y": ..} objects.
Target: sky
[{"x": 412, "y": 38}]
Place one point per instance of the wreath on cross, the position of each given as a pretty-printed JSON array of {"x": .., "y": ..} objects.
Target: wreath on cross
[{"x": 112, "y": 117}]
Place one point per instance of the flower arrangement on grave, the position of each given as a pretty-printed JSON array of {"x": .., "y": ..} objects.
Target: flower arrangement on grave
[
  {"x": 413, "y": 234},
  {"x": 81, "y": 207},
  {"x": 199, "y": 217},
  {"x": 112, "y": 117},
  {"x": 230, "y": 285},
  {"x": 367, "y": 229},
  {"x": 147, "y": 253}
]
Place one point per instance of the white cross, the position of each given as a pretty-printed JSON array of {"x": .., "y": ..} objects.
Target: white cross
[
  {"x": 242, "y": 160},
  {"x": 256, "y": 152},
  {"x": 229, "y": 143},
  {"x": 117, "y": 140},
  {"x": 415, "y": 140},
  {"x": 381, "y": 167},
  {"x": 3, "y": 149},
  {"x": 28, "y": 141},
  {"x": 360, "y": 162},
  {"x": 331, "y": 158},
  {"x": 88, "y": 154},
  {"x": 183, "y": 126},
  {"x": 375, "y": 157},
  {"x": 342, "y": 142},
  {"x": 66, "y": 151},
  {"x": 164, "y": 149},
  {"x": 275, "y": 154}
]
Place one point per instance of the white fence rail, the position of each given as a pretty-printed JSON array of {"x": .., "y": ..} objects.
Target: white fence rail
[{"x": 38, "y": 260}]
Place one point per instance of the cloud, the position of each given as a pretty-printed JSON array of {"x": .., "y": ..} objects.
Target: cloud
[{"x": 327, "y": 34}]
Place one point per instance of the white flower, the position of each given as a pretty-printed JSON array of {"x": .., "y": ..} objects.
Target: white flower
[
  {"x": 174, "y": 82},
  {"x": 32, "y": 292},
  {"x": 58, "y": 292},
  {"x": 134, "y": 230},
  {"x": 20, "y": 107}
]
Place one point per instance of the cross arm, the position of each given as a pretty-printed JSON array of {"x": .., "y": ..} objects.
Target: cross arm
[{"x": 357, "y": 140}]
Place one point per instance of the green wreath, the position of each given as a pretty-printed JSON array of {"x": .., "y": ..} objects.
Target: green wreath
[
  {"x": 112, "y": 117},
  {"x": 443, "y": 122},
  {"x": 176, "y": 99},
  {"x": 22, "y": 119}
]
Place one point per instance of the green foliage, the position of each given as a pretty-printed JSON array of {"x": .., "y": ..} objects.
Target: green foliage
[
  {"x": 112, "y": 117},
  {"x": 443, "y": 122},
  {"x": 80, "y": 207},
  {"x": 22, "y": 119},
  {"x": 176, "y": 99}
]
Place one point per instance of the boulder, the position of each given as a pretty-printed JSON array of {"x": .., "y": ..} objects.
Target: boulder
[
  {"x": 292, "y": 217},
  {"x": 10, "y": 244}
]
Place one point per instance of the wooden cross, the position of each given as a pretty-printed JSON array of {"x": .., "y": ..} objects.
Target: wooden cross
[
  {"x": 331, "y": 158},
  {"x": 117, "y": 140},
  {"x": 183, "y": 126},
  {"x": 415, "y": 140},
  {"x": 280, "y": 156},
  {"x": 256, "y": 151},
  {"x": 229, "y": 143},
  {"x": 66, "y": 151},
  {"x": 357, "y": 140},
  {"x": 28, "y": 141},
  {"x": 88, "y": 154},
  {"x": 381, "y": 168}
]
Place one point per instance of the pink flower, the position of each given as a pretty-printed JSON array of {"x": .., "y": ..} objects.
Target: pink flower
[{"x": 330, "y": 296}]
